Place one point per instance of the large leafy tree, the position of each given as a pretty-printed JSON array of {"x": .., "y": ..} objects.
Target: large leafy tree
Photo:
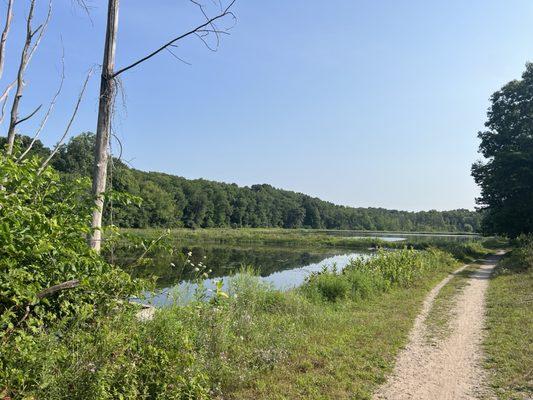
[{"x": 506, "y": 177}]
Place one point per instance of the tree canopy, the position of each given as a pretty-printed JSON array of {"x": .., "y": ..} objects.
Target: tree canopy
[
  {"x": 173, "y": 201},
  {"x": 506, "y": 177}
]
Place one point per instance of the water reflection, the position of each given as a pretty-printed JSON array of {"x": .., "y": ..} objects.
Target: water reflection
[
  {"x": 289, "y": 275},
  {"x": 283, "y": 267}
]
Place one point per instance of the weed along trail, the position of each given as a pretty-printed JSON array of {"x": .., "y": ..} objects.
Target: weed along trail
[{"x": 451, "y": 368}]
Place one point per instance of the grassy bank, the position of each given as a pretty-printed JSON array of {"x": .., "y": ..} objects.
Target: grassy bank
[
  {"x": 508, "y": 344},
  {"x": 260, "y": 236},
  {"x": 335, "y": 337},
  {"x": 463, "y": 250}
]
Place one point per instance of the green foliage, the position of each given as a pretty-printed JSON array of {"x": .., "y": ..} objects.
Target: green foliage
[
  {"x": 363, "y": 278},
  {"x": 43, "y": 226},
  {"x": 506, "y": 179},
  {"x": 328, "y": 285},
  {"x": 464, "y": 251},
  {"x": 520, "y": 259},
  {"x": 172, "y": 201}
]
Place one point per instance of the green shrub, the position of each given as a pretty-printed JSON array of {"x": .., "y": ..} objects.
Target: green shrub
[
  {"x": 363, "y": 277},
  {"x": 327, "y": 285},
  {"x": 520, "y": 259},
  {"x": 496, "y": 242},
  {"x": 43, "y": 228}
]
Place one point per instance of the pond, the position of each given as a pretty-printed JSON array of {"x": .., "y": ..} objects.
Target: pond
[
  {"x": 396, "y": 237},
  {"x": 282, "y": 267}
]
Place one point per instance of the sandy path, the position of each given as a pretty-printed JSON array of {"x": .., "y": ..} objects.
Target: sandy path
[{"x": 452, "y": 369}]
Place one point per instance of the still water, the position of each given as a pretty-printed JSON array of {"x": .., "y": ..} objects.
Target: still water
[{"x": 283, "y": 267}]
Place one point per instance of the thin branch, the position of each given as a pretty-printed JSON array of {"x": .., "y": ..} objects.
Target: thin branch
[
  {"x": 119, "y": 145},
  {"x": 3, "y": 99},
  {"x": 86, "y": 8},
  {"x": 214, "y": 28},
  {"x": 41, "y": 29},
  {"x": 176, "y": 57},
  {"x": 56, "y": 288},
  {"x": 209, "y": 22},
  {"x": 50, "y": 108},
  {"x": 67, "y": 129},
  {"x": 5, "y": 32},
  {"x": 27, "y": 117},
  {"x": 202, "y": 38}
]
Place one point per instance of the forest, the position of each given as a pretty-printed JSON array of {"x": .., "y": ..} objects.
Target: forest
[{"x": 170, "y": 201}]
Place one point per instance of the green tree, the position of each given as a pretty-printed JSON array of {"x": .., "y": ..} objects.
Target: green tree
[
  {"x": 506, "y": 178},
  {"x": 76, "y": 157}
]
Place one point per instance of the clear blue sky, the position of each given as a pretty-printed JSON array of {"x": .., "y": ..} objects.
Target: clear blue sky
[{"x": 363, "y": 103}]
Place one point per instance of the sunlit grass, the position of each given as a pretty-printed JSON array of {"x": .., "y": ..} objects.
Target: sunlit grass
[{"x": 509, "y": 341}]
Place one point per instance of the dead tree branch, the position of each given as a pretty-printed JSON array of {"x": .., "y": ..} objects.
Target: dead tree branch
[
  {"x": 3, "y": 99},
  {"x": 56, "y": 288},
  {"x": 51, "y": 106},
  {"x": 41, "y": 29},
  {"x": 5, "y": 32},
  {"x": 72, "y": 118},
  {"x": 27, "y": 117},
  {"x": 30, "y": 45},
  {"x": 200, "y": 28}
]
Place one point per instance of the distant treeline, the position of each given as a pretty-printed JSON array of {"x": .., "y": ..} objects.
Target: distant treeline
[{"x": 173, "y": 201}]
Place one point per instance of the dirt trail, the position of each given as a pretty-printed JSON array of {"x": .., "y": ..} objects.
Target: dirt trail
[{"x": 452, "y": 369}]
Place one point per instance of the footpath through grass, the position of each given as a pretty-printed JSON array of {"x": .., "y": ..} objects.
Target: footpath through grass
[
  {"x": 354, "y": 325},
  {"x": 441, "y": 312},
  {"x": 509, "y": 341}
]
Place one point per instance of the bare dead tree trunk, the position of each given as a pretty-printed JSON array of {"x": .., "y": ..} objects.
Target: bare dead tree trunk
[
  {"x": 30, "y": 45},
  {"x": 107, "y": 93},
  {"x": 5, "y": 32},
  {"x": 103, "y": 129},
  {"x": 24, "y": 58},
  {"x": 67, "y": 129}
]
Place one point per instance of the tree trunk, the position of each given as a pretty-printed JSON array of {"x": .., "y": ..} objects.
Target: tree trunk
[
  {"x": 103, "y": 129},
  {"x": 24, "y": 58}
]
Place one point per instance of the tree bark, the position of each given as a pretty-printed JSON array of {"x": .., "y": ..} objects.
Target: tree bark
[
  {"x": 105, "y": 111},
  {"x": 5, "y": 32},
  {"x": 24, "y": 59}
]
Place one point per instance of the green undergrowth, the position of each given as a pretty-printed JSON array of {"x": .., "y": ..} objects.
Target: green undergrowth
[
  {"x": 509, "y": 340},
  {"x": 337, "y": 334}
]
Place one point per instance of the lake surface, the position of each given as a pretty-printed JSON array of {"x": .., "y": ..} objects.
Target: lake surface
[
  {"x": 283, "y": 267},
  {"x": 396, "y": 237}
]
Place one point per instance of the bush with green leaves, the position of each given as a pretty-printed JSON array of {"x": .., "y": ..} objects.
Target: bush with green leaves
[
  {"x": 520, "y": 259},
  {"x": 365, "y": 277},
  {"x": 43, "y": 227}
]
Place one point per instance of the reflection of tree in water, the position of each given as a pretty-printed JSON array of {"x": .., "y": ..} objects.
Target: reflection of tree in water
[{"x": 222, "y": 261}]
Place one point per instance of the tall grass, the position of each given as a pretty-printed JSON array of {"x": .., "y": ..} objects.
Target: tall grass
[
  {"x": 510, "y": 323},
  {"x": 363, "y": 278}
]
